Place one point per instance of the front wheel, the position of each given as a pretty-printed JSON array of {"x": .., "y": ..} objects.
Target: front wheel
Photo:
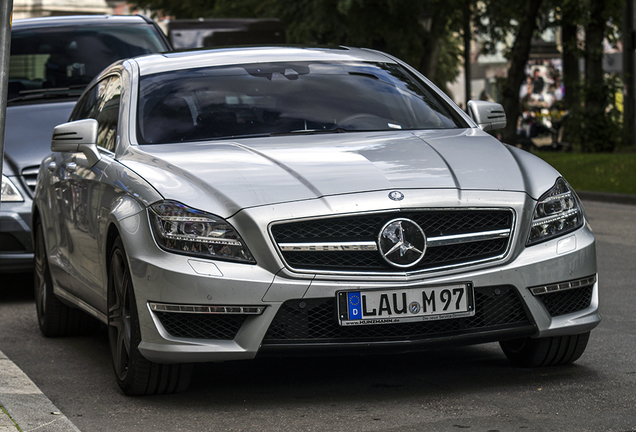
[
  {"x": 135, "y": 374},
  {"x": 54, "y": 317},
  {"x": 549, "y": 351}
]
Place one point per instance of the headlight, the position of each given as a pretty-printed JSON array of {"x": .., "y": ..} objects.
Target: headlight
[
  {"x": 180, "y": 229},
  {"x": 9, "y": 191},
  {"x": 557, "y": 212}
]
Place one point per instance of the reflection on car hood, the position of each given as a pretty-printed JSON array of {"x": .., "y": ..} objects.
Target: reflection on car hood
[
  {"x": 28, "y": 131},
  {"x": 259, "y": 171}
]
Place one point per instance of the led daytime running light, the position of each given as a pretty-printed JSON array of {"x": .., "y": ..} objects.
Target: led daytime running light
[
  {"x": 210, "y": 240},
  {"x": 550, "y": 219}
]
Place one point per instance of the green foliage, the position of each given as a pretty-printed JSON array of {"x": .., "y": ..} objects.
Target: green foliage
[
  {"x": 600, "y": 172},
  {"x": 598, "y": 128},
  {"x": 449, "y": 62},
  {"x": 424, "y": 33},
  {"x": 496, "y": 20},
  {"x": 596, "y": 124}
]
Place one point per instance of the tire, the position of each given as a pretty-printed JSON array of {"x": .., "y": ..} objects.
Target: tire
[
  {"x": 54, "y": 317},
  {"x": 135, "y": 375},
  {"x": 550, "y": 351}
]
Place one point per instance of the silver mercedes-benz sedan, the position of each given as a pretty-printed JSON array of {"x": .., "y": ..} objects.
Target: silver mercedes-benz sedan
[{"x": 233, "y": 203}]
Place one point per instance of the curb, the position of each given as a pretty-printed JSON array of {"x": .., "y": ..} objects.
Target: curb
[
  {"x": 23, "y": 407},
  {"x": 607, "y": 197}
]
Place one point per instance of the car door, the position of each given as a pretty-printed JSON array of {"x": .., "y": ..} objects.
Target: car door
[{"x": 82, "y": 190}]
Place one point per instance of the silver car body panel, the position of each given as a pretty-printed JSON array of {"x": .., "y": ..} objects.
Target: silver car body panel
[
  {"x": 248, "y": 173},
  {"x": 258, "y": 182}
]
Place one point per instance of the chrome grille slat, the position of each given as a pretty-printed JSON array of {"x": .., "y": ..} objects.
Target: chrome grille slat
[
  {"x": 348, "y": 243},
  {"x": 372, "y": 246},
  {"x": 30, "y": 177}
]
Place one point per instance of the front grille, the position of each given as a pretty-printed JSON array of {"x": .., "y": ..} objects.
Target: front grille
[
  {"x": 471, "y": 231},
  {"x": 201, "y": 326},
  {"x": 30, "y": 177},
  {"x": 310, "y": 321},
  {"x": 567, "y": 301}
]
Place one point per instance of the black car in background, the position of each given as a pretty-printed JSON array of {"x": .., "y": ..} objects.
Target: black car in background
[
  {"x": 198, "y": 33},
  {"x": 52, "y": 61}
]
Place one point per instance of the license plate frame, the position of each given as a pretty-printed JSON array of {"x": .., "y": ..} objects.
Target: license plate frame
[{"x": 402, "y": 305}]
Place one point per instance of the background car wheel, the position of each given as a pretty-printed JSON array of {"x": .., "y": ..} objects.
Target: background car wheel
[
  {"x": 550, "y": 351},
  {"x": 135, "y": 374},
  {"x": 54, "y": 317}
]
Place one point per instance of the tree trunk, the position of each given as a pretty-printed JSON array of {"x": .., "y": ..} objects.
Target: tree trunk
[
  {"x": 571, "y": 72},
  {"x": 629, "y": 106},
  {"x": 597, "y": 127},
  {"x": 594, "y": 33},
  {"x": 431, "y": 58},
  {"x": 516, "y": 73},
  {"x": 468, "y": 37}
]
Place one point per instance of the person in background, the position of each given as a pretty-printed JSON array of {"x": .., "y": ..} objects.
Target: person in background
[{"x": 537, "y": 83}]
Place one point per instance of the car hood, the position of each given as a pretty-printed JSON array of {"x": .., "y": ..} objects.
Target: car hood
[
  {"x": 28, "y": 130},
  {"x": 261, "y": 171}
]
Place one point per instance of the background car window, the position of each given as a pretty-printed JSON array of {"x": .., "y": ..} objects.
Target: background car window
[
  {"x": 47, "y": 58},
  {"x": 264, "y": 99}
]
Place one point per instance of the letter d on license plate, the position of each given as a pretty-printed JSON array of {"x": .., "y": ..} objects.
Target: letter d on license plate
[{"x": 405, "y": 305}]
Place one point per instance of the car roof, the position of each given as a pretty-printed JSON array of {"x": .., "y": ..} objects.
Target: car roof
[
  {"x": 75, "y": 20},
  {"x": 191, "y": 59}
]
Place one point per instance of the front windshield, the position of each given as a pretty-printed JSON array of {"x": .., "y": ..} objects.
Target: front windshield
[
  {"x": 280, "y": 98},
  {"x": 43, "y": 59}
]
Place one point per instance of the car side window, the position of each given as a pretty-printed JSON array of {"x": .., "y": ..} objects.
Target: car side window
[
  {"x": 101, "y": 103},
  {"x": 86, "y": 105},
  {"x": 108, "y": 114}
]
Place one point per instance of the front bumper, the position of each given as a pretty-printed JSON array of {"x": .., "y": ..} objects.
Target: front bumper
[
  {"x": 189, "y": 336},
  {"x": 16, "y": 249}
]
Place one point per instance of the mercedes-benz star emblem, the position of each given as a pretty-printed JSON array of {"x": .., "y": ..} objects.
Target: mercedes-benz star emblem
[
  {"x": 402, "y": 243},
  {"x": 396, "y": 195}
]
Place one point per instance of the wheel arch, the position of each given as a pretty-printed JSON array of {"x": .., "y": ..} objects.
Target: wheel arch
[
  {"x": 111, "y": 236},
  {"x": 35, "y": 218}
]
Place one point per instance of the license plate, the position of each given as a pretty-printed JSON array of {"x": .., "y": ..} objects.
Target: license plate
[{"x": 405, "y": 305}]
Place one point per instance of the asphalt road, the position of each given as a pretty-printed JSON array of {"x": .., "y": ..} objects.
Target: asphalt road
[{"x": 472, "y": 388}]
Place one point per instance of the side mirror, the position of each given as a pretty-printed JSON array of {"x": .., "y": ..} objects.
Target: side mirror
[
  {"x": 77, "y": 136},
  {"x": 488, "y": 115}
]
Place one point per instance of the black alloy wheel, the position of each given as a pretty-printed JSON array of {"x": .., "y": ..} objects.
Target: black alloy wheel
[
  {"x": 135, "y": 374},
  {"x": 549, "y": 351},
  {"x": 54, "y": 317}
]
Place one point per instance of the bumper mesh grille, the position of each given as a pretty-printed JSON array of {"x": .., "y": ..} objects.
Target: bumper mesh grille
[
  {"x": 568, "y": 301},
  {"x": 9, "y": 243},
  {"x": 201, "y": 326},
  {"x": 365, "y": 228},
  {"x": 314, "y": 321}
]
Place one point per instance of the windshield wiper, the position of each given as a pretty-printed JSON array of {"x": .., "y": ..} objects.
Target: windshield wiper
[
  {"x": 49, "y": 93},
  {"x": 311, "y": 132}
]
